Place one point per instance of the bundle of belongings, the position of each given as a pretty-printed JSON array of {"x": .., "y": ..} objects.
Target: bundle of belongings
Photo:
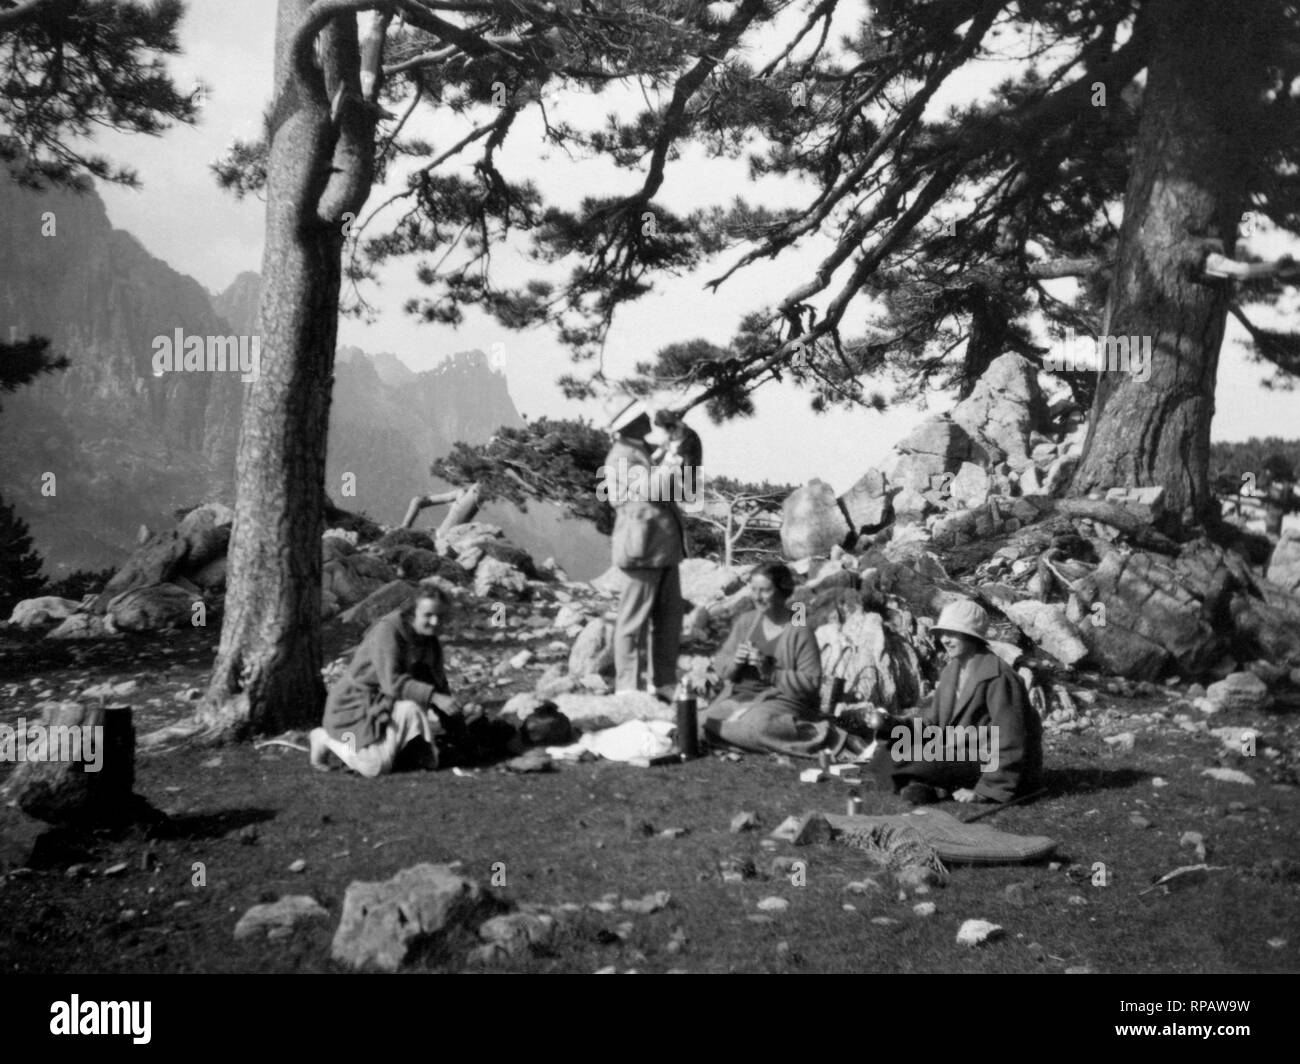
[{"x": 928, "y": 838}]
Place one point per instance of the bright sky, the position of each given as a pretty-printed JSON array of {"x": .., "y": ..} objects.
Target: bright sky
[{"x": 182, "y": 217}]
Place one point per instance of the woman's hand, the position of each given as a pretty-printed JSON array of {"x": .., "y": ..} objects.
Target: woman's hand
[
  {"x": 445, "y": 704},
  {"x": 747, "y": 654},
  {"x": 963, "y": 794}
]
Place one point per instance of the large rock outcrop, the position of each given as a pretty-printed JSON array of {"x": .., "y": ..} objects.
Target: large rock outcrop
[{"x": 812, "y": 523}]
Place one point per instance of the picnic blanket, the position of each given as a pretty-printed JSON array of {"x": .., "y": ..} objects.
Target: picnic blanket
[{"x": 953, "y": 841}]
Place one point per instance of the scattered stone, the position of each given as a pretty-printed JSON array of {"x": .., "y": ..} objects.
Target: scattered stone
[
  {"x": 1240, "y": 691},
  {"x": 977, "y": 932},
  {"x": 1194, "y": 838},
  {"x": 1123, "y": 742},
  {"x": 390, "y": 923},
  {"x": 924, "y": 908},
  {"x": 115, "y": 869},
  {"x": 515, "y": 934},
  {"x": 278, "y": 919},
  {"x": 1017, "y": 894},
  {"x": 298, "y": 866},
  {"x": 773, "y": 905},
  {"x": 862, "y": 886},
  {"x": 884, "y": 921},
  {"x": 743, "y": 822},
  {"x": 1228, "y": 775},
  {"x": 651, "y": 903},
  {"x": 1139, "y": 821}
]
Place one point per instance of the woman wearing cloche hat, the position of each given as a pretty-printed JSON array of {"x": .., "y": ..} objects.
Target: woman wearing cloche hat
[{"x": 978, "y": 690}]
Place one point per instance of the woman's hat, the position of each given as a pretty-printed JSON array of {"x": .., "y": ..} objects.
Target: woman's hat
[
  {"x": 632, "y": 419},
  {"x": 964, "y": 617}
]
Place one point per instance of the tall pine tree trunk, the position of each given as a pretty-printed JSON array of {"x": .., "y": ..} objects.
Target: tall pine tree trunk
[
  {"x": 1185, "y": 196},
  {"x": 267, "y": 675}
]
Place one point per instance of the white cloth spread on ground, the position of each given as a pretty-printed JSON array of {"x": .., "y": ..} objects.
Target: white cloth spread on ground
[{"x": 625, "y": 742}]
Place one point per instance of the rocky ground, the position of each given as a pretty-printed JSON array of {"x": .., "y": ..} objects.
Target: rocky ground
[
  {"x": 1166, "y": 672},
  {"x": 623, "y": 868}
]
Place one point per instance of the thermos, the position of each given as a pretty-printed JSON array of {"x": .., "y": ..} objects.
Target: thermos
[
  {"x": 836, "y": 695},
  {"x": 688, "y": 744}
]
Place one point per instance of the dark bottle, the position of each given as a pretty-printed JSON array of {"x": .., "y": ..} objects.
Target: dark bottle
[{"x": 688, "y": 744}]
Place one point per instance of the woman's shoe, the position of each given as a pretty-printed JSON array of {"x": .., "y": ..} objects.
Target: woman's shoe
[{"x": 919, "y": 794}]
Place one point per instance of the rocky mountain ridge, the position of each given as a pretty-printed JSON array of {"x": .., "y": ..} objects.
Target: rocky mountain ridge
[{"x": 94, "y": 452}]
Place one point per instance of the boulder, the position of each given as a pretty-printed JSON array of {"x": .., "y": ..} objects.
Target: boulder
[
  {"x": 1240, "y": 690},
  {"x": 970, "y": 487},
  {"x": 811, "y": 522},
  {"x": 593, "y": 650},
  {"x": 504, "y": 551},
  {"x": 1003, "y": 409},
  {"x": 495, "y": 579},
  {"x": 1029, "y": 482},
  {"x": 909, "y": 501},
  {"x": 353, "y": 577},
  {"x": 1059, "y": 475},
  {"x": 152, "y": 608},
  {"x": 1048, "y": 627},
  {"x": 388, "y": 924},
  {"x": 705, "y": 581},
  {"x": 413, "y": 563},
  {"x": 467, "y": 536},
  {"x": 205, "y": 531},
  {"x": 1151, "y": 598},
  {"x": 1284, "y": 565},
  {"x": 1120, "y": 651},
  {"x": 937, "y": 446},
  {"x": 333, "y": 547},
  {"x": 867, "y": 503},
  {"x": 38, "y": 612},
  {"x": 211, "y": 577},
  {"x": 84, "y": 626},
  {"x": 277, "y": 920},
  {"x": 878, "y": 664},
  {"x": 392, "y": 596},
  {"x": 406, "y": 537}
]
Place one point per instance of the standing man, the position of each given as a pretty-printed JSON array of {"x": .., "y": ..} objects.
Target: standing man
[{"x": 648, "y": 544}]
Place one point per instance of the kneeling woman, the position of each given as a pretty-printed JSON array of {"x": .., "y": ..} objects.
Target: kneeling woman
[
  {"x": 392, "y": 693},
  {"x": 773, "y": 675},
  {"x": 983, "y": 740}
]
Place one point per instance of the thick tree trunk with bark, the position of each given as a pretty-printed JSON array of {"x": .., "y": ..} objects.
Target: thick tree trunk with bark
[
  {"x": 267, "y": 676},
  {"x": 1185, "y": 196}
]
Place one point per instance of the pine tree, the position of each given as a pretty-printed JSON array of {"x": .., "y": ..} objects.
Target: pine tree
[{"x": 20, "y": 565}]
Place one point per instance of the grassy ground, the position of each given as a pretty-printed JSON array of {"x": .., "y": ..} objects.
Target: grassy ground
[{"x": 593, "y": 831}]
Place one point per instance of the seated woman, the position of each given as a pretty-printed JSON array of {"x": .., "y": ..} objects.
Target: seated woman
[
  {"x": 979, "y": 737},
  {"x": 393, "y": 692},
  {"x": 773, "y": 675}
]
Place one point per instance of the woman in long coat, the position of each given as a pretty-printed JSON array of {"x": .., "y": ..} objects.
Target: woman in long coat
[
  {"x": 772, "y": 668},
  {"x": 980, "y": 695}
]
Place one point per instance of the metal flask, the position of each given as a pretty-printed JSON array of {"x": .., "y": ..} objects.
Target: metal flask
[{"x": 688, "y": 745}]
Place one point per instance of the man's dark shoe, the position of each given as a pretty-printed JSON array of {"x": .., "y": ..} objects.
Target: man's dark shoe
[{"x": 919, "y": 794}]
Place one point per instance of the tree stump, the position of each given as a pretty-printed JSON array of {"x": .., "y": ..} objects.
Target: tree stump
[{"x": 77, "y": 766}]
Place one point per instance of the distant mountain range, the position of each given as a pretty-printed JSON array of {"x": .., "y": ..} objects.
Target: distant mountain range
[{"x": 127, "y": 448}]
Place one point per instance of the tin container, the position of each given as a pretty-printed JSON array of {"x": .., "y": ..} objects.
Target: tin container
[
  {"x": 854, "y": 805},
  {"x": 688, "y": 744}
]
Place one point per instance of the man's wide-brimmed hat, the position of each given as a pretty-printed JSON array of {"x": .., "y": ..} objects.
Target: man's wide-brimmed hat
[
  {"x": 965, "y": 617},
  {"x": 630, "y": 419}
]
